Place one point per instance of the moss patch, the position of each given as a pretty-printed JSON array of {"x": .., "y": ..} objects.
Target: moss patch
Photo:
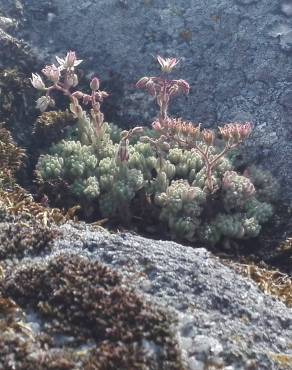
[{"x": 85, "y": 309}]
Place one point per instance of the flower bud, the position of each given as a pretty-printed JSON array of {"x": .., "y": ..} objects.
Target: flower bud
[
  {"x": 70, "y": 58},
  {"x": 37, "y": 82},
  {"x": 78, "y": 94},
  {"x": 225, "y": 132},
  {"x": 208, "y": 136},
  {"x": 43, "y": 102},
  {"x": 169, "y": 170},
  {"x": 173, "y": 90},
  {"x": 245, "y": 130},
  {"x": 94, "y": 84},
  {"x": 184, "y": 86},
  {"x": 52, "y": 103},
  {"x": 142, "y": 82},
  {"x": 123, "y": 152},
  {"x": 137, "y": 130},
  {"x": 100, "y": 95},
  {"x": 145, "y": 139},
  {"x": 156, "y": 126},
  {"x": 150, "y": 86},
  {"x": 165, "y": 146},
  {"x": 76, "y": 109},
  {"x": 71, "y": 79},
  {"x": 86, "y": 99},
  {"x": 124, "y": 134},
  {"x": 195, "y": 131},
  {"x": 75, "y": 80}
]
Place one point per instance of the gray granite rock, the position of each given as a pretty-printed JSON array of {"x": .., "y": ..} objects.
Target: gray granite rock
[
  {"x": 224, "y": 320},
  {"x": 236, "y": 54}
]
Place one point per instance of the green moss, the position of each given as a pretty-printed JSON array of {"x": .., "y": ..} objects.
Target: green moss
[
  {"x": 23, "y": 237},
  {"x": 51, "y": 127},
  {"x": 89, "y": 303}
]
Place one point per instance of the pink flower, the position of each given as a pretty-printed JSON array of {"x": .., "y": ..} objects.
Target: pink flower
[
  {"x": 167, "y": 64},
  {"x": 52, "y": 73},
  {"x": 37, "y": 82},
  {"x": 69, "y": 62}
]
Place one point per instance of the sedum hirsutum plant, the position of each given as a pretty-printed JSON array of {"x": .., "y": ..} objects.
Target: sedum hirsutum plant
[{"x": 173, "y": 175}]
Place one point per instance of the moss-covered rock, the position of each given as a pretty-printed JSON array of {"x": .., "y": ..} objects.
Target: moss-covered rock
[{"x": 88, "y": 313}]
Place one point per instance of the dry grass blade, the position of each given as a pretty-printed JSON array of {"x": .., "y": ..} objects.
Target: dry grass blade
[
  {"x": 18, "y": 201},
  {"x": 269, "y": 281}
]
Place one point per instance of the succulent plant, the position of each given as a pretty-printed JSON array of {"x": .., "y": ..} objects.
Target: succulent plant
[
  {"x": 181, "y": 207},
  {"x": 181, "y": 174}
]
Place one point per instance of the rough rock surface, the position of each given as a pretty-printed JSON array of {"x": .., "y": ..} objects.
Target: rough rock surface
[
  {"x": 223, "y": 318},
  {"x": 236, "y": 55}
]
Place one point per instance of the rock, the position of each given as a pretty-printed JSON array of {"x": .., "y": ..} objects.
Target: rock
[
  {"x": 225, "y": 319},
  {"x": 286, "y": 8},
  {"x": 228, "y": 321}
]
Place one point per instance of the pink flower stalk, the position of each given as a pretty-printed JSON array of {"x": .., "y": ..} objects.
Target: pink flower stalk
[
  {"x": 64, "y": 78},
  {"x": 162, "y": 88}
]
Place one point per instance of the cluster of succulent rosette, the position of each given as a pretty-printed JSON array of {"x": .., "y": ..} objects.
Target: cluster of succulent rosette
[{"x": 174, "y": 176}]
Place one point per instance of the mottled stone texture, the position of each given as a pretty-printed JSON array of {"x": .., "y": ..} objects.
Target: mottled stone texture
[{"x": 236, "y": 54}]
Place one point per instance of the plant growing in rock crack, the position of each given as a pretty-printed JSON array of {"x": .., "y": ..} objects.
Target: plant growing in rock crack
[{"x": 174, "y": 175}]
